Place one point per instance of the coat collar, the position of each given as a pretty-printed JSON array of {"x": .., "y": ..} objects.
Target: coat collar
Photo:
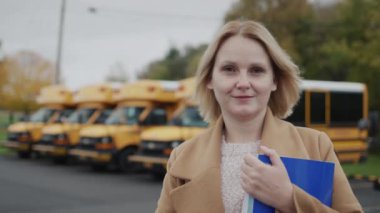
[{"x": 198, "y": 161}]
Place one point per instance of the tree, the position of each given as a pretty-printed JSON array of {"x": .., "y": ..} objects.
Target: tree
[
  {"x": 25, "y": 73},
  {"x": 117, "y": 73},
  {"x": 281, "y": 17},
  {"x": 359, "y": 33},
  {"x": 175, "y": 65},
  {"x": 338, "y": 41},
  {"x": 3, "y": 78}
]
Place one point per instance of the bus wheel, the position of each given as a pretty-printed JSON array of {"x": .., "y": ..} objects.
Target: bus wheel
[
  {"x": 124, "y": 164},
  {"x": 60, "y": 160},
  {"x": 98, "y": 167},
  {"x": 23, "y": 155},
  {"x": 158, "y": 175}
]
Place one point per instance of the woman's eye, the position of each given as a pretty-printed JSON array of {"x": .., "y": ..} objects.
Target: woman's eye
[
  {"x": 228, "y": 69},
  {"x": 257, "y": 70}
]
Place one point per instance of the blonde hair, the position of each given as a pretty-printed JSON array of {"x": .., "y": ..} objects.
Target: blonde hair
[{"x": 286, "y": 73}]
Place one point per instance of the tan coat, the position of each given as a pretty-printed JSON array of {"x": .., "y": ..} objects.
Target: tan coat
[{"x": 193, "y": 181}]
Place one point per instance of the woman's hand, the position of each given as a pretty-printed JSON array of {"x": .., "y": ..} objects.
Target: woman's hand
[{"x": 268, "y": 183}]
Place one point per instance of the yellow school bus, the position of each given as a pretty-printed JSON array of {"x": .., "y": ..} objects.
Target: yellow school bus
[
  {"x": 94, "y": 104},
  {"x": 340, "y": 109},
  {"x": 56, "y": 104},
  {"x": 157, "y": 143},
  {"x": 141, "y": 105}
]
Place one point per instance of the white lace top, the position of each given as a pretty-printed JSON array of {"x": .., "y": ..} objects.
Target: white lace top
[{"x": 232, "y": 159}]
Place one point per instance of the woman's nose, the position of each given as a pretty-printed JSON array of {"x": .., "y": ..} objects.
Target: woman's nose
[{"x": 243, "y": 82}]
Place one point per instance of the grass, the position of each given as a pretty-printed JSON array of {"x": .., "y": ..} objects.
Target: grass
[
  {"x": 2, "y": 139},
  {"x": 369, "y": 167},
  {"x": 4, "y": 123}
]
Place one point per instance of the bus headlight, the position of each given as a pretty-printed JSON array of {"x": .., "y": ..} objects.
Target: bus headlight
[
  {"x": 105, "y": 143},
  {"x": 106, "y": 140},
  {"x": 24, "y": 137},
  {"x": 61, "y": 139}
]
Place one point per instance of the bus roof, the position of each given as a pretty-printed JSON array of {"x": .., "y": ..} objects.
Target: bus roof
[
  {"x": 187, "y": 88},
  {"x": 100, "y": 93},
  {"x": 151, "y": 90},
  {"x": 335, "y": 86},
  {"x": 55, "y": 94}
]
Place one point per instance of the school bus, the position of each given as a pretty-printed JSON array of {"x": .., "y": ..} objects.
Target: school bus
[
  {"x": 340, "y": 109},
  {"x": 94, "y": 104},
  {"x": 157, "y": 143},
  {"x": 141, "y": 105},
  {"x": 56, "y": 102}
]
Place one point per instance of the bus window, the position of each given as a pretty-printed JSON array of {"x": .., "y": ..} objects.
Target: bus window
[
  {"x": 132, "y": 114},
  {"x": 81, "y": 116},
  {"x": 42, "y": 115},
  {"x": 156, "y": 117},
  {"x": 64, "y": 115},
  {"x": 103, "y": 116},
  {"x": 317, "y": 108},
  {"x": 298, "y": 116},
  {"x": 125, "y": 115},
  {"x": 346, "y": 108}
]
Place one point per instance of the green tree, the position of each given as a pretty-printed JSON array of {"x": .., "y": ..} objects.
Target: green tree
[
  {"x": 359, "y": 30},
  {"x": 338, "y": 41},
  {"x": 175, "y": 65},
  {"x": 281, "y": 17}
]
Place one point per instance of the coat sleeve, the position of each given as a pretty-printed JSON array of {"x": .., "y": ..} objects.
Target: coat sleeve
[
  {"x": 344, "y": 199},
  {"x": 164, "y": 202}
]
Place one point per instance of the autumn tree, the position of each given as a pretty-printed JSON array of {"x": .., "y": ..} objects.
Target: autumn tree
[
  {"x": 25, "y": 73},
  {"x": 3, "y": 78}
]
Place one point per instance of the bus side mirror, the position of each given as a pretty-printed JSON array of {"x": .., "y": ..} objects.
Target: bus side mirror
[{"x": 363, "y": 124}]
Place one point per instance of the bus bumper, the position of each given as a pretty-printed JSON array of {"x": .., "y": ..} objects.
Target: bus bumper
[
  {"x": 51, "y": 150},
  {"x": 17, "y": 145},
  {"x": 92, "y": 155},
  {"x": 150, "y": 163}
]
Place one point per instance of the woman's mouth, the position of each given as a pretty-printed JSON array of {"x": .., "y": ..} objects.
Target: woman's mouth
[{"x": 243, "y": 97}]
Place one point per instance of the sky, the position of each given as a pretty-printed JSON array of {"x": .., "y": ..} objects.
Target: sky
[{"x": 131, "y": 33}]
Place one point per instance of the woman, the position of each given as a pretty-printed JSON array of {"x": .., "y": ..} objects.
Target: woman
[{"x": 245, "y": 84}]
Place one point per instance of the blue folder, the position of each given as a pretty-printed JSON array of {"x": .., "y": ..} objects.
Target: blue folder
[{"x": 314, "y": 177}]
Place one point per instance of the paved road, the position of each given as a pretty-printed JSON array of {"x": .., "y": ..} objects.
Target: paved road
[{"x": 40, "y": 186}]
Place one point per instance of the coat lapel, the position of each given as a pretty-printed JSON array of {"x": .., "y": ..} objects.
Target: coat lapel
[
  {"x": 282, "y": 137},
  {"x": 197, "y": 165}
]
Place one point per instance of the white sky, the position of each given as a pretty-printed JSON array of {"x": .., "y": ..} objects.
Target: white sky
[{"x": 130, "y": 32}]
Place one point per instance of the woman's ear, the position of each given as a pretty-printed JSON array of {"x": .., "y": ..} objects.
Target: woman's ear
[{"x": 209, "y": 84}]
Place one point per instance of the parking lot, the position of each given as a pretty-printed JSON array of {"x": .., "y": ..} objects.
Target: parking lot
[{"x": 37, "y": 185}]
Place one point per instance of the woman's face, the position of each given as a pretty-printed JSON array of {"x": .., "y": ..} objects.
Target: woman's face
[{"x": 242, "y": 78}]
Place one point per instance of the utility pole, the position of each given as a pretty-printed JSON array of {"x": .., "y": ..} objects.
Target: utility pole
[{"x": 60, "y": 41}]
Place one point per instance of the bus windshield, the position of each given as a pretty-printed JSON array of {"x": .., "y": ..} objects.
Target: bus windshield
[
  {"x": 125, "y": 115},
  {"x": 101, "y": 119},
  {"x": 190, "y": 117},
  {"x": 81, "y": 116},
  {"x": 64, "y": 115},
  {"x": 42, "y": 115}
]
